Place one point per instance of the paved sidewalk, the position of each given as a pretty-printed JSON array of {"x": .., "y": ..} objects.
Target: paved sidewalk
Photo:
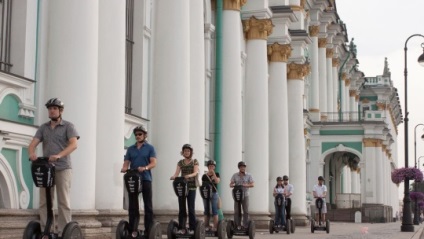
[{"x": 339, "y": 230}]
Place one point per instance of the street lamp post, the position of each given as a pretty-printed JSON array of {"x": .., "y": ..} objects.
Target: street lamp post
[
  {"x": 417, "y": 211},
  {"x": 407, "y": 219}
]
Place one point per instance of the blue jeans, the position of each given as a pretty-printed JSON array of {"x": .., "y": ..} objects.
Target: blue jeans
[
  {"x": 280, "y": 217},
  {"x": 182, "y": 215},
  {"x": 211, "y": 202}
]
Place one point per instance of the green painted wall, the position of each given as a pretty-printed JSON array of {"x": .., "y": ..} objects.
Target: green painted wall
[
  {"x": 129, "y": 142},
  {"x": 341, "y": 132},
  {"x": 26, "y": 169},
  {"x": 329, "y": 145},
  {"x": 9, "y": 110},
  {"x": 370, "y": 98}
]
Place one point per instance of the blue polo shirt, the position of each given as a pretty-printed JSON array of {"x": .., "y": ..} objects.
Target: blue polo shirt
[{"x": 141, "y": 158}]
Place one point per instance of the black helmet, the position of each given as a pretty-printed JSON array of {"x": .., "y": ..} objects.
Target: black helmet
[
  {"x": 279, "y": 178},
  {"x": 140, "y": 128},
  {"x": 321, "y": 178},
  {"x": 285, "y": 177},
  {"x": 187, "y": 146},
  {"x": 55, "y": 102},
  {"x": 211, "y": 162},
  {"x": 241, "y": 163}
]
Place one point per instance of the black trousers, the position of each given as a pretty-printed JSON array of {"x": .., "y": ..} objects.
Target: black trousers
[
  {"x": 182, "y": 215},
  {"x": 288, "y": 208},
  {"x": 134, "y": 208}
]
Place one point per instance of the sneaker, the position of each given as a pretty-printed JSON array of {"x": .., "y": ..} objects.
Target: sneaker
[
  {"x": 191, "y": 232},
  {"x": 239, "y": 228},
  {"x": 180, "y": 231}
]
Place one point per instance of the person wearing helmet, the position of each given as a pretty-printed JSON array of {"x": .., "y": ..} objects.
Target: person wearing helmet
[
  {"x": 279, "y": 189},
  {"x": 246, "y": 180},
  {"x": 60, "y": 139},
  {"x": 288, "y": 191},
  {"x": 213, "y": 177},
  {"x": 141, "y": 156},
  {"x": 320, "y": 191},
  {"x": 189, "y": 169}
]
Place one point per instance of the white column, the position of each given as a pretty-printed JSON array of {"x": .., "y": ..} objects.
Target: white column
[
  {"x": 110, "y": 112},
  {"x": 335, "y": 87},
  {"x": 322, "y": 64},
  {"x": 297, "y": 167},
  {"x": 278, "y": 117},
  {"x": 72, "y": 76},
  {"x": 231, "y": 121},
  {"x": 256, "y": 115},
  {"x": 379, "y": 173},
  {"x": 368, "y": 184},
  {"x": 330, "y": 100},
  {"x": 343, "y": 95},
  {"x": 171, "y": 94},
  {"x": 346, "y": 99},
  {"x": 197, "y": 87},
  {"x": 352, "y": 109},
  {"x": 315, "y": 84}
]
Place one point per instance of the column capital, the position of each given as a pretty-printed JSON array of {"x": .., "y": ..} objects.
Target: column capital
[
  {"x": 347, "y": 82},
  {"x": 233, "y": 4},
  {"x": 352, "y": 93},
  {"x": 329, "y": 52},
  {"x": 313, "y": 31},
  {"x": 322, "y": 42},
  {"x": 297, "y": 71},
  {"x": 369, "y": 142},
  {"x": 381, "y": 105},
  {"x": 344, "y": 76},
  {"x": 336, "y": 62},
  {"x": 278, "y": 52},
  {"x": 257, "y": 28},
  {"x": 300, "y": 7}
]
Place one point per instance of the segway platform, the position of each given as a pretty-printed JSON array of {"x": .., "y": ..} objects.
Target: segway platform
[
  {"x": 320, "y": 226},
  {"x": 133, "y": 185},
  {"x": 43, "y": 174},
  {"x": 206, "y": 192},
  {"x": 173, "y": 232},
  {"x": 238, "y": 230}
]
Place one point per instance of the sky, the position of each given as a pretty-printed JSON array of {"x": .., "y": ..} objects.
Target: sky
[{"x": 380, "y": 29}]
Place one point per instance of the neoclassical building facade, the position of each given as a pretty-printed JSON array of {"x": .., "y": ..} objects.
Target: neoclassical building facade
[{"x": 274, "y": 83}]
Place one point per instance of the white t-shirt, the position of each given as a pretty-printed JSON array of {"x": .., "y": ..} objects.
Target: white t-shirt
[
  {"x": 320, "y": 189},
  {"x": 288, "y": 189}
]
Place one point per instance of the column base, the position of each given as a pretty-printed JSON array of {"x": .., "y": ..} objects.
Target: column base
[{"x": 301, "y": 220}]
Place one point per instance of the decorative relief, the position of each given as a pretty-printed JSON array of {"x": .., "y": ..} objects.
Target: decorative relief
[
  {"x": 369, "y": 142},
  {"x": 344, "y": 76},
  {"x": 297, "y": 71},
  {"x": 381, "y": 105},
  {"x": 335, "y": 62},
  {"x": 347, "y": 82},
  {"x": 313, "y": 31},
  {"x": 233, "y": 4},
  {"x": 322, "y": 42},
  {"x": 257, "y": 28},
  {"x": 352, "y": 93},
  {"x": 329, "y": 52},
  {"x": 356, "y": 97},
  {"x": 278, "y": 52}
]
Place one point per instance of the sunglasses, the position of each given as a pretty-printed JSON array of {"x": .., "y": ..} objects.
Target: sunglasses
[{"x": 139, "y": 134}]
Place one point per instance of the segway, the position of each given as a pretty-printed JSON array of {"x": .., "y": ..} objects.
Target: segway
[
  {"x": 238, "y": 230},
  {"x": 287, "y": 204},
  {"x": 43, "y": 175},
  {"x": 319, "y": 226},
  {"x": 206, "y": 192},
  {"x": 133, "y": 185},
  {"x": 280, "y": 202},
  {"x": 175, "y": 230}
]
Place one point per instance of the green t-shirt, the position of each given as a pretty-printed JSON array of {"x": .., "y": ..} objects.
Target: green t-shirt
[{"x": 189, "y": 169}]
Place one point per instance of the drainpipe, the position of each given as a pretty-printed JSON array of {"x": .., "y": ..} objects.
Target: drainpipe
[
  {"x": 218, "y": 83},
  {"x": 37, "y": 31}
]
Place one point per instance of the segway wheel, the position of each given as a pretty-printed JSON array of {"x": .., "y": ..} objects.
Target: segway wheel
[
  {"x": 72, "y": 231},
  {"x": 172, "y": 228},
  {"x": 312, "y": 225},
  {"x": 327, "y": 226},
  {"x": 292, "y": 226},
  {"x": 122, "y": 230},
  {"x": 252, "y": 229},
  {"x": 155, "y": 231},
  {"x": 230, "y": 229},
  {"x": 199, "y": 231},
  {"x": 288, "y": 226},
  {"x": 222, "y": 229},
  {"x": 271, "y": 226},
  {"x": 32, "y": 230}
]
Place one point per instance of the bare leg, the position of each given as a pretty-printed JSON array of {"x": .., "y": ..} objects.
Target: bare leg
[{"x": 215, "y": 222}]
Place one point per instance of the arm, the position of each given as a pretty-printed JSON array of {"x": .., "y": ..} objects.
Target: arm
[
  {"x": 31, "y": 148},
  {"x": 250, "y": 183},
  {"x": 125, "y": 166},
  {"x": 274, "y": 193},
  {"x": 195, "y": 172},
  {"x": 177, "y": 172},
  {"x": 72, "y": 145},
  {"x": 215, "y": 178},
  {"x": 151, "y": 165}
]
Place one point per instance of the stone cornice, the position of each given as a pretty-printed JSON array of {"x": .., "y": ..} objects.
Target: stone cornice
[
  {"x": 313, "y": 31},
  {"x": 329, "y": 52},
  {"x": 297, "y": 71},
  {"x": 233, "y": 4},
  {"x": 322, "y": 42},
  {"x": 257, "y": 28},
  {"x": 279, "y": 53}
]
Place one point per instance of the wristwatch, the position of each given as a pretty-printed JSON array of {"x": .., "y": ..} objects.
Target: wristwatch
[{"x": 146, "y": 168}]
